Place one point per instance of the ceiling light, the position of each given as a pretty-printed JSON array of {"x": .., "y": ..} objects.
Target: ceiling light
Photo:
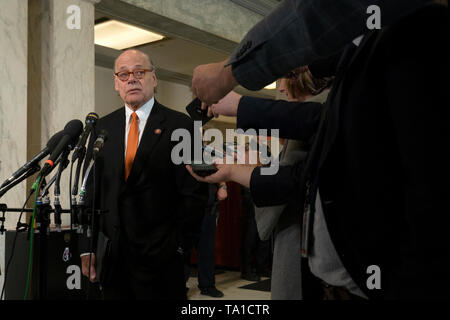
[
  {"x": 119, "y": 35},
  {"x": 271, "y": 86}
]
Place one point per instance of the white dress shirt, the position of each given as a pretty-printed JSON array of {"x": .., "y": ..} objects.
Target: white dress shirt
[{"x": 143, "y": 113}]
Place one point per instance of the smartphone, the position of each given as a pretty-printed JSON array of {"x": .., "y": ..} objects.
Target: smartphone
[
  {"x": 204, "y": 169},
  {"x": 194, "y": 109}
]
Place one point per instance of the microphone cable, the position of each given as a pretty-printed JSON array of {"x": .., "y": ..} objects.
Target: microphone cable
[
  {"x": 70, "y": 199},
  {"x": 93, "y": 217},
  {"x": 91, "y": 240},
  {"x": 30, "y": 260}
]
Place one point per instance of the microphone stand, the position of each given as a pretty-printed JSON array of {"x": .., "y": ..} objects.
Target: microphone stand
[
  {"x": 91, "y": 214},
  {"x": 58, "y": 209},
  {"x": 87, "y": 220},
  {"x": 77, "y": 209},
  {"x": 43, "y": 209}
]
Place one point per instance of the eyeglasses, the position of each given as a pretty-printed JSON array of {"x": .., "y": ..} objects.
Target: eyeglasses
[{"x": 138, "y": 73}]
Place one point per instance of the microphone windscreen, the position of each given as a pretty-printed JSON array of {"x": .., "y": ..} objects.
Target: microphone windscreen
[
  {"x": 91, "y": 118},
  {"x": 73, "y": 128},
  {"x": 53, "y": 142}
]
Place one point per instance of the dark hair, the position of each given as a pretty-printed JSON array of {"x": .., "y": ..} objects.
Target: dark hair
[{"x": 300, "y": 82}]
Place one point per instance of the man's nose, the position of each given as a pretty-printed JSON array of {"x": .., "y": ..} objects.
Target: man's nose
[{"x": 132, "y": 78}]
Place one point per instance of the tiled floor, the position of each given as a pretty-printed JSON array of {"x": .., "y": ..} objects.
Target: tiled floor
[{"x": 228, "y": 282}]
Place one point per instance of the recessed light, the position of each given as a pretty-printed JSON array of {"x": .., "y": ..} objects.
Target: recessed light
[
  {"x": 119, "y": 35},
  {"x": 271, "y": 86}
]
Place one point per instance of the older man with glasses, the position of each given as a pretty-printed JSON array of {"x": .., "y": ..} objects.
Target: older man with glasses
[{"x": 154, "y": 207}]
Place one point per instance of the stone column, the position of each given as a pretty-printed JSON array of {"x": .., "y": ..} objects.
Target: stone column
[
  {"x": 13, "y": 105},
  {"x": 62, "y": 62}
]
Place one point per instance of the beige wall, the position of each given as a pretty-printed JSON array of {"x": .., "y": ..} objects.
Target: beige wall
[
  {"x": 106, "y": 98},
  {"x": 173, "y": 95}
]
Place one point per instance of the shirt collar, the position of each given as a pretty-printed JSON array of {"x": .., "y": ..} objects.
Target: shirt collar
[{"x": 143, "y": 112}]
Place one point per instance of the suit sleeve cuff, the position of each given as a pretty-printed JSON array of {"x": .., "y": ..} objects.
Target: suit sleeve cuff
[{"x": 247, "y": 114}]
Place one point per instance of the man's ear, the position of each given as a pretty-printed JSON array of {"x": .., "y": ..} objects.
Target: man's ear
[{"x": 116, "y": 84}]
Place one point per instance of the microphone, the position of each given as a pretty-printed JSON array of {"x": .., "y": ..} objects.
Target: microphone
[
  {"x": 51, "y": 145},
  {"x": 63, "y": 163},
  {"x": 71, "y": 131},
  {"x": 98, "y": 144},
  {"x": 90, "y": 122}
]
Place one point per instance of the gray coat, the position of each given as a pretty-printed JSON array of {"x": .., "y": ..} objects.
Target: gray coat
[{"x": 284, "y": 222}]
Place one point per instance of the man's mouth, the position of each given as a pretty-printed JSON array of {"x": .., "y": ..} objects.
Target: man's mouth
[{"x": 134, "y": 90}]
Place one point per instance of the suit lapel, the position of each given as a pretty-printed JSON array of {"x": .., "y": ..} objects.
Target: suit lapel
[
  {"x": 152, "y": 133},
  {"x": 332, "y": 126},
  {"x": 116, "y": 139}
]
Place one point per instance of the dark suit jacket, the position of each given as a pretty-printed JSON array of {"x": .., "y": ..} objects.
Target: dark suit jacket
[
  {"x": 382, "y": 169},
  {"x": 159, "y": 208},
  {"x": 299, "y": 32}
]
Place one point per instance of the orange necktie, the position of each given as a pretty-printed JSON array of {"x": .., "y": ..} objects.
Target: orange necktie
[{"x": 132, "y": 144}]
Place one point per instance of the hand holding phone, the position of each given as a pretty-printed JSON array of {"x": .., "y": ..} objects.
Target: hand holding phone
[
  {"x": 203, "y": 169},
  {"x": 194, "y": 109}
]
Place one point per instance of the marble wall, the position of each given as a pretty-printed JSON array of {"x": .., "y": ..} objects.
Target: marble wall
[
  {"x": 70, "y": 82},
  {"x": 13, "y": 105},
  {"x": 13, "y": 96}
]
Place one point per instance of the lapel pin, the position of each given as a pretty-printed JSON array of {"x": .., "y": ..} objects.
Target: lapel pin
[{"x": 157, "y": 131}]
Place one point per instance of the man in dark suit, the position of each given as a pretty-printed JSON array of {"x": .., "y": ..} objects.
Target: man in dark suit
[
  {"x": 154, "y": 207},
  {"x": 379, "y": 163}
]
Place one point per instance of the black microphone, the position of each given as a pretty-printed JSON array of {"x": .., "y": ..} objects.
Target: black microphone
[
  {"x": 90, "y": 122},
  {"x": 64, "y": 162},
  {"x": 51, "y": 145},
  {"x": 98, "y": 145},
  {"x": 71, "y": 131},
  {"x": 99, "y": 142}
]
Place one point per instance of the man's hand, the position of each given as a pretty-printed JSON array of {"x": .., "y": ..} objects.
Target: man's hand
[
  {"x": 239, "y": 173},
  {"x": 222, "y": 193},
  {"x": 211, "y": 82},
  {"x": 228, "y": 106},
  {"x": 85, "y": 267}
]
